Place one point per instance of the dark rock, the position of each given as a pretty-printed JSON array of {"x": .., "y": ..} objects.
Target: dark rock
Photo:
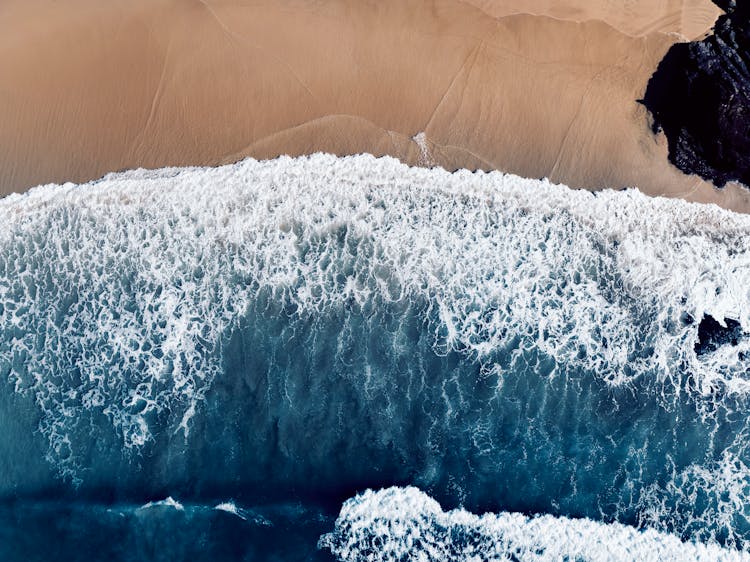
[
  {"x": 712, "y": 335},
  {"x": 700, "y": 97}
]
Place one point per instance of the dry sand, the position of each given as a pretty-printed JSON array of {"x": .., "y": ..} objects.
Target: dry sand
[{"x": 88, "y": 87}]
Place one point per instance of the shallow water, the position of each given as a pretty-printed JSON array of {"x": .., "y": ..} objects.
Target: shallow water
[{"x": 294, "y": 332}]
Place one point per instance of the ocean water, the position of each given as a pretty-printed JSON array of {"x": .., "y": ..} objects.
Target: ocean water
[{"x": 349, "y": 359}]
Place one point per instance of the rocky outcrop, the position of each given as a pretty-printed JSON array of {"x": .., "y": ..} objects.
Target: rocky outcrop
[
  {"x": 712, "y": 335},
  {"x": 700, "y": 97}
]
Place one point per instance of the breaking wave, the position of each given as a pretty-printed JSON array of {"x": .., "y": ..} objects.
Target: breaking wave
[
  {"x": 406, "y": 524},
  {"x": 504, "y": 344}
]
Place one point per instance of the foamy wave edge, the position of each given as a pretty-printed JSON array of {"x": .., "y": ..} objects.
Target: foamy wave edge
[
  {"x": 567, "y": 270},
  {"x": 406, "y": 524}
]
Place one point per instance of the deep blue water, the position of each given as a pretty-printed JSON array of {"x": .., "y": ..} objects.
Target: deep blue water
[
  {"x": 286, "y": 335},
  {"x": 69, "y": 530}
]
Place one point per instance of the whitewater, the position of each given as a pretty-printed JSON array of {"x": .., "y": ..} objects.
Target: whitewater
[{"x": 297, "y": 331}]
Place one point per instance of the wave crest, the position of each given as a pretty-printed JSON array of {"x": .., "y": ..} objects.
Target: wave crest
[
  {"x": 406, "y": 524},
  {"x": 118, "y": 300}
]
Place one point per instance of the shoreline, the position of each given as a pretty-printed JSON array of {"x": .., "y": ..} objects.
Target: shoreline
[{"x": 176, "y": 83}]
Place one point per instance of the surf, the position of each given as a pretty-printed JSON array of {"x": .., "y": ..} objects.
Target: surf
[
  {"x": 404, "y": 523},
  {"x": 505, "y": 344}
]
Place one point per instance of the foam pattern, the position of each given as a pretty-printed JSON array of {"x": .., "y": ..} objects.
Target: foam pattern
[
  {"x": 398, "y": 524},
  {"x": 119, "y": 299}
]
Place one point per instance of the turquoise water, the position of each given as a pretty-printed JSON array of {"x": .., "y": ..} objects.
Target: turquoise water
[{"x": 282, "y": 336}]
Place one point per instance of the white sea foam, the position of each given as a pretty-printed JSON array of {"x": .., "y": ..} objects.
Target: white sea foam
[
  {"x": 229, "y": 507},
  {"x": 233, "y": 509},
  {"x": 115, "y": 296},
  {"x": 168, "y": 502},
  {"x": 406, "y": 524},
  {"x": 723, "y": 486}
]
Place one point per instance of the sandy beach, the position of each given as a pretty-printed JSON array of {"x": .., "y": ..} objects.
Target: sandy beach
[
  {"x": 253, "y": 306},
  {"x": 689, "y": 18},
  {"x": 539, "y": 88}
]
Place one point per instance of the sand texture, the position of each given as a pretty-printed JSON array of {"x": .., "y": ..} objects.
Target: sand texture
[
  {"x": 88, "y": 87},
  {"x": 689, "y": 18}
]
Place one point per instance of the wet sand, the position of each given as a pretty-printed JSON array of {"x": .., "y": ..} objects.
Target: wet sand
[
  {"x": 689, "y": 18},
  {"x": 87, "y": 87}
]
